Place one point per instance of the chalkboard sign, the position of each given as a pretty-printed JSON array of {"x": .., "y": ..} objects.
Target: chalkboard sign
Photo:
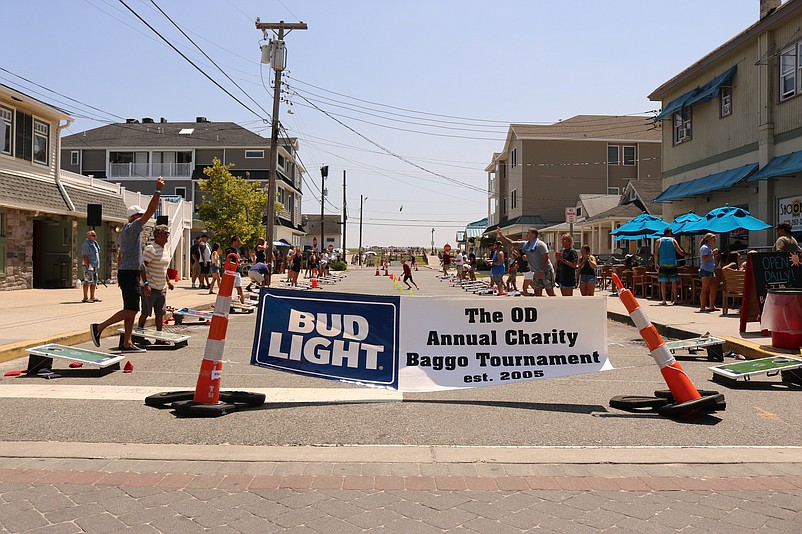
[{"x": 764, "y": 271}]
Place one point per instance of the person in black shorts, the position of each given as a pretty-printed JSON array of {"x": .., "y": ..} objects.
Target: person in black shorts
[{"x": 129, "y": 263}]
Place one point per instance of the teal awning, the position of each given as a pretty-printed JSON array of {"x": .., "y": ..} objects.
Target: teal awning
[
  {"x": 780, "y": 166},
  {"x": 706, "y": 184},
  {"x": 703, "y": 93}
]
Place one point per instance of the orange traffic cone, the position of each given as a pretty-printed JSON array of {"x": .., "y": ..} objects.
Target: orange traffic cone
[
  {"x": 687, "y": 398},
  {"x": 377, "y": 271},
  {"x": 129, "y": 367},
  {"x": 315, "y": 283}
]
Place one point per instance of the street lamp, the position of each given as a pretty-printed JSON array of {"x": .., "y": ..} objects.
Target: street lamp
[
  {"x": 361, "y": 202},
  {"x": 432, "y": 241}
]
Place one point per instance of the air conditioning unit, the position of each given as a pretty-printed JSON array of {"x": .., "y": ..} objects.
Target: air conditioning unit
[{"x": 726, "y": 108}]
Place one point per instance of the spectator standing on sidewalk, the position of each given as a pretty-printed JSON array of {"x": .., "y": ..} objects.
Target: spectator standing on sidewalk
[
  {"x": 215, "y": 268},
  {"x": 90, "y": 256},
  {"x": 567, "y": 261},
  {"x": 666, "y": 251},
  {"x": 194, "y": 261},
  {"x": 497, "y": 268},
  {"x": 129, "y": 264},
  {"x": 206, "y": 261},
  {"x": 155, "y": 282},
  {"x": 707, "y": 272}
]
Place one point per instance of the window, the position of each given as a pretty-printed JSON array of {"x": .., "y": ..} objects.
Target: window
[
  {"x": 514, "y": 157},
  {"x": 41, "y": 142},
  {"x": 612, "y": 191},
  {"x": 74, "y": 157},
  {"x": 2, "y": 242},
  {"x": 181, "y": 192},
  {"x": 281, "y": 161},
  {"x": 253, "y": 154},
  {"x": 6, "y": 130},
  {"x": 682, "y": 126},
  {"x": 789, "y": 68},
  {"x": 612, "y": 155},
  {"x": 726, "y": 101},
  {"x": 514, "y": 199},
  {"x": 503, "y": 207},
  {"x": 630, "y": 155}
]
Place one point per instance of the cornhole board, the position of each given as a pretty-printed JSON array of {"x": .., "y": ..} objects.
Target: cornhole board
[
  {"x": 772, "y": 366},
  {"x": 236, "y": 307},
  {"x": 42, "y": 357},
  {"x": 176, "y": 340},
  {"x": 201, "y": 316},
  {"x": 713, "y": 344}
]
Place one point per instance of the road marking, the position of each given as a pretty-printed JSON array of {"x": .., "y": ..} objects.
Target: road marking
[{"x": 138, "y": 393}]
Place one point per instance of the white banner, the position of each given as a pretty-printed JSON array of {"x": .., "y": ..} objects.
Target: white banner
[
  {"x": 468, "y": 342},
  {"x": 429, "y": 343}
]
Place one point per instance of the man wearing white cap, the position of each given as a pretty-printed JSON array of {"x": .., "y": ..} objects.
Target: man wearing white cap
[{"x": 129, "y": 263}]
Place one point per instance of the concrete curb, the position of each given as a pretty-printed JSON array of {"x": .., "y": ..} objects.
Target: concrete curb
[
  {"x": 13, "y": 351},
  {"x": 391, "y": 454}
]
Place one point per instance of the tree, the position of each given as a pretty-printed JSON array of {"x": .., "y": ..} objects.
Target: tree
[{"x": 232, "y": 205}]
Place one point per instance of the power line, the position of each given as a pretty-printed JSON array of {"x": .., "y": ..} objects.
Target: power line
[
  {"x": 226, "y": 91},
  {"x": 207, "y": 57}
]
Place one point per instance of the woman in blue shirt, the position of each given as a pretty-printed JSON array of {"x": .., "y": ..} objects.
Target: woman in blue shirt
[{"x": 707, "y": 298}]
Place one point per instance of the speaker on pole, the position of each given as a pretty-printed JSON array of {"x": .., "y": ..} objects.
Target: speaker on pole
[
  {"x": 161, "y": 219},
  {"x": 94, "y": 215}
]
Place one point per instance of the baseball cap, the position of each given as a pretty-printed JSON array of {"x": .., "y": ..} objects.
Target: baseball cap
[{"x": 134, "y": 210}]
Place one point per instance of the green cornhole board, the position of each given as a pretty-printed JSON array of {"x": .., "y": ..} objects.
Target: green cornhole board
[
  {"x": 177, "y": 340},
  {"x": 236, "y": 307},
  {"x": 41, "y": 357},
  {"x": 202, "y": 316},
  {"x": 746, "y": 369},
  {"x": 714, "y": 346}
]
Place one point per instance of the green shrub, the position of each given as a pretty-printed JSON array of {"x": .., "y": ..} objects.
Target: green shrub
[{"x": 338, "y": 266}]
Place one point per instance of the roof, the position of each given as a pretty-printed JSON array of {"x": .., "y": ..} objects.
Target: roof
[
  {"x": 647, "y": 189},
  {"x": 787, "y": 9},
  {"x": 595, "y": 204},
  {"x": 42, "y": 194},
  {"x": 593, "y": 127},
  {"x": 165, "y": 134}
]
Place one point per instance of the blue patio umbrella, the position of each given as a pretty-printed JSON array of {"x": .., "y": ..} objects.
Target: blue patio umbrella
[
  {"x": 644, "y": 225},
  {"x": 680, "y": 224},
  {"x": 726, "y": 219}
]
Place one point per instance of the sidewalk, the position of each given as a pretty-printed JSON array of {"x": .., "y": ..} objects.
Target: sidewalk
[{"x": 38, "y": 316}]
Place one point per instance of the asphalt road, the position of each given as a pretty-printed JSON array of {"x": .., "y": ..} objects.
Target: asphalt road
[{"x": 570, "y": 411}]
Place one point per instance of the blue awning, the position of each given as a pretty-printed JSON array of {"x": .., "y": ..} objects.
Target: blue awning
[
  {"x": 706, "y": 92},
  {"x": 706, "y": 184},
  {"x": 780, "y": 166}
]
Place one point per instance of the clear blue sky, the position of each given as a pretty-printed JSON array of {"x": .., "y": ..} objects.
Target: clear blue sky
[{"x": 412, "y": 65}]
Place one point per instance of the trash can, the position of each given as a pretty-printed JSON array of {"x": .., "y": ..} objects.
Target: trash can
[{"x": 782, "y": 314}]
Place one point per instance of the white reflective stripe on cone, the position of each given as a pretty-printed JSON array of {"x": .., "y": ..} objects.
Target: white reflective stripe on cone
[
  {"x": 663, "y": 357},
  {"x": 639, "y": 318},
  {"x": 214, "y": 350}
]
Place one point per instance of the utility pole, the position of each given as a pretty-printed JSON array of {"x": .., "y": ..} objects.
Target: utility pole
[
  {"x": 432, "y": 241},
  {"x": 345, "y": 219},
  {"x": 361, "y": 203},
  {"x": 324, "y": 172},
  {"x": 275, "y": 53}
]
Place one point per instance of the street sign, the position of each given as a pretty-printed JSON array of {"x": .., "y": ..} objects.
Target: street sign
[{"x": 570, "y": 215}]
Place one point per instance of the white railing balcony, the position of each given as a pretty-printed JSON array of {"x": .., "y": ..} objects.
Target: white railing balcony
[
  {"x": 168, "y": 170},
  {"x": 131, "y": 170}
]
